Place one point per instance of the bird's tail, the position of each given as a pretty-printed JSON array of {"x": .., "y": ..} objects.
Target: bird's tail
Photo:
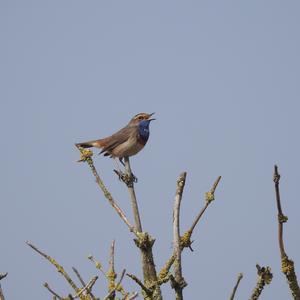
[{"x": 89, "y": 144}]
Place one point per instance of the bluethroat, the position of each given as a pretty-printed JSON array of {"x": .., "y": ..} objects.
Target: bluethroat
[{"x": 127, "y": 142}]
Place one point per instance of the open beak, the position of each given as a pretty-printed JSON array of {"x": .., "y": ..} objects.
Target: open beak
[{"x": 150, "y": 115}]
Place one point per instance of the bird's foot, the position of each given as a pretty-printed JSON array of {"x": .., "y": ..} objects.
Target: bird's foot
[{"x": 128, "y": 179}]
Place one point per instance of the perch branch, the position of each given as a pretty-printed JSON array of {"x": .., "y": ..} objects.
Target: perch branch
[
  {"x": 86, "y": 156},
  {"x": 143, "y": 240},
  {"x": 287, "y": 265},
  {"x": 239, "y": 278},
  {"x": 179, "y": 283},
  {"x": 59, "y": 268},
  {"x": 134, "y": 205},
  {"x": 264, "y": 277}
]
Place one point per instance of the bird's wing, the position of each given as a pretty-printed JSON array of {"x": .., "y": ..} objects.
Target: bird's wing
[{"x": 117, "y": 139}]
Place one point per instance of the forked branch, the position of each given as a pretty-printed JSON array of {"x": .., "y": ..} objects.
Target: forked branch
[
  {"x": 179, "y": 283},
  {"x": 86, "y": 156},
  {"x": 185, "y": 240}
]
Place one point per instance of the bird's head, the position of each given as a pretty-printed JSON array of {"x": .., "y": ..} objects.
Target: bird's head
[{"x": 137, "y": 119}]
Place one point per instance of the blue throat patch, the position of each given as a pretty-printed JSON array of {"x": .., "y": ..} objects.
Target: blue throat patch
[{"x": 144, "y": 130}]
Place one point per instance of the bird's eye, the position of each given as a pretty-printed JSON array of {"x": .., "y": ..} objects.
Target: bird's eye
[{"x": 141, "y": 117}]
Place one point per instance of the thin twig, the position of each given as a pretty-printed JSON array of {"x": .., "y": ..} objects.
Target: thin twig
[
  {"x": 134, "y": 204},
  {"x": 180, "y": 282},
  {"x": 239, "y": 278},
  {"x": 97, "y": 265},
  {"x": 209, "y": 197},
  {"x": 46, "y": 285},
  {"x": 133, "y": 296},
  {"x": 264, "y": 277},
  {"x": 287, "y": 265},
  {"x": 59, "y": 268},
  {"x": 139, "y": 282},
  {"x": 86, "y": 155},
  {"x": 281, "y": 217},
  {"x": 86, "y": 288},
  {"x": 111, "y": 274},
  {"x": 78, "y": 276},
  {"x": 112, "y": 256},
  {"x": 83, "y": 282},
  {"x": 111, "y": 293}
]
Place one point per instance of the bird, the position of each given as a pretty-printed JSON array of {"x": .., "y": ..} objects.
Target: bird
[{"x": 126, "y": 142}]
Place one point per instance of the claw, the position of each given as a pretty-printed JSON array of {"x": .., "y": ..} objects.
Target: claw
[{"x": 127, "y": 179}]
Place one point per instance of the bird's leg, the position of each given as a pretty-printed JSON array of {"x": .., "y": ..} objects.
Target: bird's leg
[
  {"x": 121, "y": 161},
  {"x": 124, "y": 176},
  {"x": 120, "y": 173},
  {"x": 134, "y": 178}
]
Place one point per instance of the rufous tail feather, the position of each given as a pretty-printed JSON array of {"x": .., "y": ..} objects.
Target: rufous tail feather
[{"x": 90, "y": 144}]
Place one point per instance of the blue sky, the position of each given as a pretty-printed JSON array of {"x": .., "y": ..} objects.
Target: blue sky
[{"x": 223, "y": 79}]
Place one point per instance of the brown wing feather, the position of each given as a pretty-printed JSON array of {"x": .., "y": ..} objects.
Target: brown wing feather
[{"x": 117, "y": 139}]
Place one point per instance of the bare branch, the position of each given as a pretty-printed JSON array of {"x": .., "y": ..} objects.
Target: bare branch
[
  {"x": 86, "y": 155},
  {"x": 287, "y": 265},
  {"x": 111, "y": 274},
  {"x": 209, "y": 197},
  {"x": 112, "y": 292},
  {"x": 239, "y": 278},
  {"x": 134, "y": 205},
  {"x": 78, "y": 276},
  {"x": 143, "y": 240},
  {"x": 86, "y": 288},
  {"x": 46, "y": 285},
  {"x": 112, "y": 256},
  {"x": 139, "y": 282},
  {"x": 281, "y": 217},
  {"x": 133, "y": 296},
  {"x": 185, "y": 240},
  {"x": 83, "y": 282},
  {"x": 59, "y": 268},
  {"x": 180, "y": 282},
  {"x": 264, "y": 277},
  {"x": 97, "y": 265}
]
